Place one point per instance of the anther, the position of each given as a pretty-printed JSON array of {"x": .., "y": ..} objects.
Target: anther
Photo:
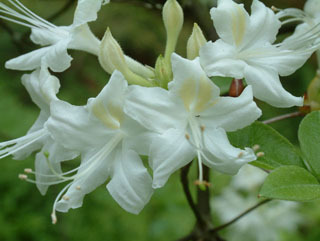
[
  {"x": 78, "y": 187},
  {"x": 28, "y": 170},
  {"x": 255, "y": 147},
  {"x": 66, "y": 198},
  {"x": 203, "y": 185},
  {"x": 187, "y": 136},
  {"x": 273, "y": 8},
  {"x": 260, "y": 154},
  {"x": 202, "y": 128},
  {"x": 53, "y": 218},
  {"x": 240, "y": 154},
  {"x": 23, "y": 177}
]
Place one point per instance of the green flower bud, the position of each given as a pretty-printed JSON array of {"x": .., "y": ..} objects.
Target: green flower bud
[
  {"x": 111, "y": 57},
  {"x": 195, "y": 42},
  {"x": 313, "y": 93},
  {"x": 163, "y": 73},
  {"x": 172, "y": 14}
]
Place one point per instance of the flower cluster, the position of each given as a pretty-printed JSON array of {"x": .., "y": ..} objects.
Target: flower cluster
[{"x": 172, "y": 113}]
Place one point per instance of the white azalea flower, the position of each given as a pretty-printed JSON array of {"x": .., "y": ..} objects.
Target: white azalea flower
[
  {"x": 192, "y": 121},
  {"x": 56, "y": 40},
  {"x": 42, "y": 88},
  {"x": 109, "y": 143},
  {"x": 263, "y": 224},
  {"x": 247, "y": 50}
]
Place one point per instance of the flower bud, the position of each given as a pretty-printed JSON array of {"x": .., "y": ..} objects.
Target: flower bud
[
  {"x": 173, "y": 20},
  {"x": 163, "y": 74},
  {"x": 195, "y": 42},
  {"x": 111, "y": 56},
  {"x": 236, "y": 88},
  {"x": 313, "y": 93}
]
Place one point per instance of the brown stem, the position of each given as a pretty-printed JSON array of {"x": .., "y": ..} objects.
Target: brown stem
[
  {"x": 185, "y": 185},
  {"x": 240, "y": 216},
  {"x": 283, "y": 117},
  {"x": 203, "y": 196}
]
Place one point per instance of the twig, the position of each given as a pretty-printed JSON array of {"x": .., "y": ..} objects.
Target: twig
[
  {"x": 240, "y": 216},
  {"x": 62, "y": 10},
  {"x": 185, "y": 184},
  {"x": 283, "y": 117},
  {"x": 203, "y": 199}
]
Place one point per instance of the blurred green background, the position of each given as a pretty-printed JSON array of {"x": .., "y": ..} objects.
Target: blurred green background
[{"x": 25, "y": 214}]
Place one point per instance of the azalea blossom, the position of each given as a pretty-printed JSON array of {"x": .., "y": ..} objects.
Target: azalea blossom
[
  {"x": 246, "y": 49},
  {"x": 109, "y": 143},
  {"x": 56, "y": 40},
  {"x": 42, "y": 88},
  {"x": 265, "y": 223},
  {"x": 191, "y": 121}
]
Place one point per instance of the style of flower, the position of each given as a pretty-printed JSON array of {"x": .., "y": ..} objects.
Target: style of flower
[
  {"x": 109, "y": 143},
  {"x": 42, "y": 88},
  {"x": 247, "y": 50},
  {"x": 191, "y": 121},
  {"x": 56, "y": 40}
]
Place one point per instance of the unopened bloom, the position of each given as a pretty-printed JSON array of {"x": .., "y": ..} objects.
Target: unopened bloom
[
  {"x": 191, "y": 121},
  {"x": 247, "y": 50},
  {"x": 56, "y": 40},
  {"x": 109, "y": 143},
  {"x": 42, "y": 88}
]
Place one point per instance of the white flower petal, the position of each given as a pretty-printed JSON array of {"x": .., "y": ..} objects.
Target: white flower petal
[
  {"x": 221, "y": 155},
  {"x": 108, "y": 105},
  {"x": 55, "y": 57},
  {"x": 131, "y": 184},
  {"x": 231, "y": 21},
  {"x": 42, "y": 168},
  {"x": 86, "y": 11},
  {"x": 267, "y": 87},
  {"x": 168, "y": 153},
  {"x": 153, "y": 108},
  {"x": 216, "y": 59},
  {"x": 42, "y": 87},
  {"x": 232, "y": 113},
  {"x": 191, "y": 84},
  {"x": 89, "y": 178},
  {"x": 262, "y": 16},
  {"x": 29, "y": 61},
  {"x": 73, "y": 128}
]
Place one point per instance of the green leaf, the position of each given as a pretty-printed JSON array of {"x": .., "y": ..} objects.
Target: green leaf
[
  {"x": 309, "y": 137},
  {"x": 223, "y": 83},
  {"x": 291, "y": 183},
  {"x": 278, "y": 151}
]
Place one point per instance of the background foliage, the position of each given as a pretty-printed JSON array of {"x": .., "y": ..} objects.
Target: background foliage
[{"x": 25, "y": 214}]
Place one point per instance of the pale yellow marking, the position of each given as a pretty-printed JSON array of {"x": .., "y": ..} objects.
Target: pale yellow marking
[
  {"x": 188, "y": 92},
  {"x": 196, "y": 94},
  {"x": 238, "y": 25},
  {"x": 110, "y": 115},
  {"x": 204, "y": 94}
]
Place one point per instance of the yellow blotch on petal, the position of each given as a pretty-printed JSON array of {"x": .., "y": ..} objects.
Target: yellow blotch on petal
[
  {"x": 196, "y": 94},
  {"x": 238, "y": 25},
  {"x": 110, "y": 114}
]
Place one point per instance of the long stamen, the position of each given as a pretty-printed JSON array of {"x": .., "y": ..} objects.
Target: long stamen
[
  {"x": 53, "y": 214},
  {"x": 24, "y": 16},
  {"x": 200, "y": 167},
  {"x": 35, "y": 16},
  {"x": 21, "y": 145}
]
